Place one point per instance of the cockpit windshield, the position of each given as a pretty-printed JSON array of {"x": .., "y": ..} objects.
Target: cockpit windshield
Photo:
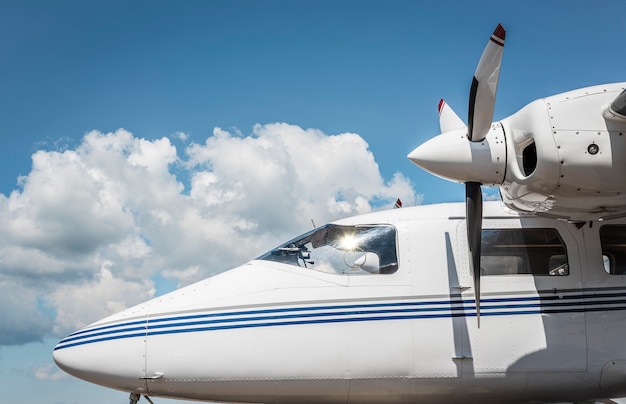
[{"x": 337, "y": 249}]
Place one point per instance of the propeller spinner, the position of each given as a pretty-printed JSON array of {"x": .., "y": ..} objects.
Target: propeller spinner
[{"x": 478, "y": 151}]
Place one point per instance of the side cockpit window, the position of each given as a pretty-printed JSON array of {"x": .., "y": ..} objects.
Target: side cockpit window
[
  {"x": 339, "y": 249},
  {"x": 523, "y": 251},
  {"x": 613, "y": 241}
]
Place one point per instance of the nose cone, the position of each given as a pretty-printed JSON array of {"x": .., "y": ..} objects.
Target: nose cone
[
  {"x": 454, "y": 157},
  {"x": 111, "y": 355}
]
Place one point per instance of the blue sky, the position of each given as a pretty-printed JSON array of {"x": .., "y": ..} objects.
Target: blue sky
[{"x": 348, "y": 80}]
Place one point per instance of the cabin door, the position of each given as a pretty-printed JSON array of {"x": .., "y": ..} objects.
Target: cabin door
[{"x": 531, "y": 302}]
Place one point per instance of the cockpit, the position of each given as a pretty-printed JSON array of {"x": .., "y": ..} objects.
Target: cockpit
[{"x": 340, "y": 249}]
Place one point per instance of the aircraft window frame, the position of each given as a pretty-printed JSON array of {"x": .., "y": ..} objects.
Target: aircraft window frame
[
  {"x": 613, "y": 244},
  {"x": 523, "y": 251},
  {"x": 342, "y": 249}
]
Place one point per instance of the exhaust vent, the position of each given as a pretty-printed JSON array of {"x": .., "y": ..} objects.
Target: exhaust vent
[{"x": 529, "y": 159}]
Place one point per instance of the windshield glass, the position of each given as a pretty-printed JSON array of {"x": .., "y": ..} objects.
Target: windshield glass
[{"x": 341, "y": 250}]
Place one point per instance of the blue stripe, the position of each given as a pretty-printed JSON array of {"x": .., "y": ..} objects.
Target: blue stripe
[
  {"x": 538, "y": 310},
  {"x": 341, "y": 307},
  {"x": 150, "y": 326},
  {"x": 556, "y": 303},
  {"x": 107, "y": 327}
]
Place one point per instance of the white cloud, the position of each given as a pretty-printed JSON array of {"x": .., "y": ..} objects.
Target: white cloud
[
  {"x": 66, "y": 207},
  {"x": 49, "y": 372},
  {"x": 105, "y": 295},
  {"x": 182, "y": 136},
  {"x": 491, "y": 194},
  {"x": 20, "y": 318},
  {"x": 96, "y": 223},
  {"x": 284, "y": 175}
]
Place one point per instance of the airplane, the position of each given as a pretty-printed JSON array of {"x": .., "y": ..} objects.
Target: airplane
[{"x": 517, "y": 300}]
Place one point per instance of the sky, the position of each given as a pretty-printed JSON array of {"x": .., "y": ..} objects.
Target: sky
[{"x": 150, "y": 144}]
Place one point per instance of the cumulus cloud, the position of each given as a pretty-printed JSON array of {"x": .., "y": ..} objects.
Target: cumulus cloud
[
  {"x": 109, "y": 294},
  {"x": 49, "y": 372},
  {"x": 307, "y": 173},
  {"x": 21, "y": 318},
  {"x": 96, "y": 223}
]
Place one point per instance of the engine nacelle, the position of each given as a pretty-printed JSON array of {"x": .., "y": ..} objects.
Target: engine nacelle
[
  {"x": 565, "y": 158},
  {"x": 565, "y": 155}
]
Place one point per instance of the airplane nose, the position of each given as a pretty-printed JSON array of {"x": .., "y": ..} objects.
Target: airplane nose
[{"x": 111, "y": 355}]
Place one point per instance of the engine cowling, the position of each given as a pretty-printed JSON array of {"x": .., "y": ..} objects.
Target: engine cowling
[
  {"x": 562, "y": 156},
  {"x": 565, "y": 158}
]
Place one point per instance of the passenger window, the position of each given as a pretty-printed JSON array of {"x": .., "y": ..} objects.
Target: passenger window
[
  {"x": 523, "y": 251},
  {"x": 613, "y": 241}
]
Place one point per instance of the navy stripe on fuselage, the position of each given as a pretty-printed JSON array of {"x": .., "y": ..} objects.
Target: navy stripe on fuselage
[{"x": 283, "y": 316}]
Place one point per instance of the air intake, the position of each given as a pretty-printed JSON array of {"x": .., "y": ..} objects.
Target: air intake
[{"x": 529, "y": 159}]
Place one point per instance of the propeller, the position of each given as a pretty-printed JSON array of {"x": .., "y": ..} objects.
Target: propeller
[
  {"x": 466, "y": 154},
  {"x": 448, "y": 119},
  {"x": 474, "y": 218},
  {"x": 484, "y": 85},
  {"x": 481, "y": 105}
]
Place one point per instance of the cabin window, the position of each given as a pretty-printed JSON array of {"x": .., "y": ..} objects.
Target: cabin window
[
  {"x": 523, "y": 251},
  {"x": 613, "y": 241},
  {"x": 341, "y": 250}
]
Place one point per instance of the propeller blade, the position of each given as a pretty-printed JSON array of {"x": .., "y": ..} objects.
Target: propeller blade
[
  {"x": 484, "y": 85},
  {"x": 474, "y": 219},
  {"x": 448, "y": 119}
]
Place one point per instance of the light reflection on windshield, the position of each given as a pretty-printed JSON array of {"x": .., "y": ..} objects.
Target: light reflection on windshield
[{"x": 341, "y": 250}]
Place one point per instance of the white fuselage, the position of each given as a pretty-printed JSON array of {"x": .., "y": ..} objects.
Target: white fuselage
[{"x": 269, "y": 331}]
